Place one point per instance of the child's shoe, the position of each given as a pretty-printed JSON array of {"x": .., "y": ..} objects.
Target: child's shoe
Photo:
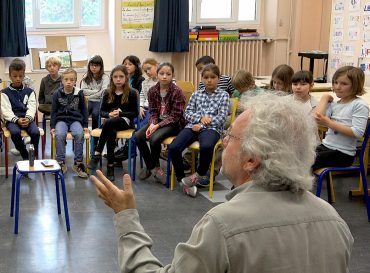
[
  {"x": 191, "y": 191},
  {"x": 80, "y": 169},
  {"x": 94, "y": 161},
  {"x": 14, "y": 151},
  {"x": 159, "y": 175},
  {"x": 63, "y": 166},
  {"x": 110, "y": 172},
  {"x": 191, "y": 180}
]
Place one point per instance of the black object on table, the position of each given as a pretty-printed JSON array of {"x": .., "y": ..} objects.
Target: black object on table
[{"x": 312, "y": 55}]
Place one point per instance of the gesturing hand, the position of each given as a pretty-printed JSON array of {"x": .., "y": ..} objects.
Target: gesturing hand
[{"x": 112, "y": 196}]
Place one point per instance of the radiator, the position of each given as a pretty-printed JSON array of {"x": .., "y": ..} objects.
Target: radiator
[{"x": 229, "y": 56}]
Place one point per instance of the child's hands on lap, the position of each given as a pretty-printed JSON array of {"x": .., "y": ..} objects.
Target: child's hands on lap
[
  {"x": 206, "y": 120},
  {"x": 23, "y": 122},
  {"x": 151, "y": 129},
  {"x": 196, "y": 127},
  {"x": 142, "y": 113},
  {"x": 114, "y": 114}
]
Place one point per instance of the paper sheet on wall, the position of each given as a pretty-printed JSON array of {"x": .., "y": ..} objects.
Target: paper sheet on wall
[
  {"x": 78, "y": 46},
  {"x": 350, "y": 40},
  {"x": 36, "y": 41},
  {"x": 137, "y": 19}
]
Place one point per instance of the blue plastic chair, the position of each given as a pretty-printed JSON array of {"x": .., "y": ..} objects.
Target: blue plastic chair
[{"x": 326, "y": 172}]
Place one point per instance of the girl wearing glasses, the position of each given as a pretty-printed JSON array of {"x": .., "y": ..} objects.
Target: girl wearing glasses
[{"x": 93, "y": 85}]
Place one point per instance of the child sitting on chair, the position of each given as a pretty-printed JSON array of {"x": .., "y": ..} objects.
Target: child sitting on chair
[
  {"x": 206, "y": 114},
  {"x": 346, "y": 119},
  {"x": 68, "y": 114},
  {"x": 49, "y": 84},
  {"x": 18, "y": 106}
]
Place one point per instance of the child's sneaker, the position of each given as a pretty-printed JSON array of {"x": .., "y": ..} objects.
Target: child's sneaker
[
  {"x": 191, "y": 180},
  {"x": 80, "y": 169},
  {"x": 94, "y": 160},
  {"x": 203, "y": 181},
  {"x": 159, "y": 175},
  {"x": 14, "y": 151},
  {"x": 63, "y": 166},
  {"x": 191, "y": 191}
]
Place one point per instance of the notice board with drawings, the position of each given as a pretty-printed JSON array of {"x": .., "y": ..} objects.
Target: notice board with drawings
[
  {"x": 350, "y": 36},
  {"x": 56, "y": 43}
]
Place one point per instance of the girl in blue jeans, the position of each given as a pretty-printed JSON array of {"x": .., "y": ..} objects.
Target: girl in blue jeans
[{"x": 206, "y": 114}]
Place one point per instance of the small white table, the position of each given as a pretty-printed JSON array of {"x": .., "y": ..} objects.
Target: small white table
[{"x": 23, "y": 168}]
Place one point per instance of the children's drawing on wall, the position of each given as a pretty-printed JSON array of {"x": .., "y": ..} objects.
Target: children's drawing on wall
[
  {"x": 349, "y": 49},
  {"x": 338, "y": 35},
  {"x": 364, "y": 65},
  {"x": 339, "y": 6},
  {"x": 354, "y": 34},
  {"x": 336, "y": 48},
  {"x": 354, "y": 20},
  {"x": 354, "y": 5},
  {"x": 365, "y": 50},
  {"x": 366, "y": 22},
  {"x": 338, "y": 21},
  {"x": 367, "y": 7},
  {"x": 335, "y": 62},
  {"x": 366, "y": 36}
]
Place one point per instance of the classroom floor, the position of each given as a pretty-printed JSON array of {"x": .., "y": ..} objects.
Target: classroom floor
[{"x": 43, "y": 245}]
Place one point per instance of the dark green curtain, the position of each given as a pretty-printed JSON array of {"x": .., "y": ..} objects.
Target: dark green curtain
[
  {"x": 170, "y": 26},
  {"x": 13, "y": 38}
]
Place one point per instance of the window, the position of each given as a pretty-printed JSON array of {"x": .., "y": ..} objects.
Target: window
[
  {"x": 223, "y": 11},
  {"x": 78, "y": 14}
]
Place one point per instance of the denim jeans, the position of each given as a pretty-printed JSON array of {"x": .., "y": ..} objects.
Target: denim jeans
[
  {"x": 61, "y": 130},
  {"x": 207, "y": 140}
]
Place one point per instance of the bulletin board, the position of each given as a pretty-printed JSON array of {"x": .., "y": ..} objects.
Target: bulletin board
[
  {"x": 54, "y": 43},
  {"x": 350, "y": 36}
]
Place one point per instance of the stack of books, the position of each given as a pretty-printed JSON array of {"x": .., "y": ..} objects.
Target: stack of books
[
  {"x": 208, "y": 33},
  {"x": 228, "y": 35},
  {"x": 193, "y": 35},
  {"x": 245, "y": 34}
]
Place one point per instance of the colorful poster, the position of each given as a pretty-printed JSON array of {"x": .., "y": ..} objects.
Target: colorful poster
[{"x": 137, "y": 19}]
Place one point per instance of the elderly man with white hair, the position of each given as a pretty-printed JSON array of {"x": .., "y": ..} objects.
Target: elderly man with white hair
[{"x": 271, "y": 222}]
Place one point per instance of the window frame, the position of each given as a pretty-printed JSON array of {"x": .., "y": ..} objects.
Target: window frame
[
  {"x": 75, "y": 26},
  {"x": 227, "y": 22}
]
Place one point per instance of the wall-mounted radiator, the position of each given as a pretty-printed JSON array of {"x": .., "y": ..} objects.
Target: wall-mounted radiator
[{"x": 229, "y": 56}]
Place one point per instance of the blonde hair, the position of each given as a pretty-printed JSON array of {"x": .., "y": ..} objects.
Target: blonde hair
[
  {"x": 150, "y": 61},
  {"x": 242, "y": 79},
  {"x": 69, "y": 71},
  {"x": 53, "y": 60}
]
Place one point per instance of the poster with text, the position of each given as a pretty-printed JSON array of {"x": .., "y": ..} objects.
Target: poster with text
[{"x": 137, "y": 19}]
